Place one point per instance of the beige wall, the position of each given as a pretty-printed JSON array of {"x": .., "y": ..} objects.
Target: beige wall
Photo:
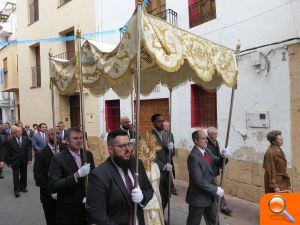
[
  {"x": 35, "y": 103},
  {"x": 11, "y": 80},
  {"x": 294, "y": 57}
]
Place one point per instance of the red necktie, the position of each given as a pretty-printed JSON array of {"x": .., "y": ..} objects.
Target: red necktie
[
  {"x": 129, "y": 187},
  {"x": 206, "y": 157}
]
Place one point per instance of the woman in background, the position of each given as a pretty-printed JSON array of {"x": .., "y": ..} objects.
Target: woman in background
[{"x": 275, "y": 165}]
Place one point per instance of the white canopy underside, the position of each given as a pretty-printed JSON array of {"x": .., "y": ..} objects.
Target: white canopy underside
[{"x": 169, "y": 56}]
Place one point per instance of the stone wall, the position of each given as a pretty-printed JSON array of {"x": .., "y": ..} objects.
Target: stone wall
[{"x": 294, "y": 63}]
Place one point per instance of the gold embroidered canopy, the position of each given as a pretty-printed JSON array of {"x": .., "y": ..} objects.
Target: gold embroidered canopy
[{"x": 169, "y": 56}]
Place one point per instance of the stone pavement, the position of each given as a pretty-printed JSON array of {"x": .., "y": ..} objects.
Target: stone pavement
[{"x": 244, "y": 212}]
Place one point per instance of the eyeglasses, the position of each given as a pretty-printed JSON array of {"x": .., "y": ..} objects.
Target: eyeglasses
[{"x": 125, "y": 146}]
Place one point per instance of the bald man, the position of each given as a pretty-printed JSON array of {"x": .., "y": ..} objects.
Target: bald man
[
  {"x": 125, "y": 125},
  {"x": 213, "y": 146}
]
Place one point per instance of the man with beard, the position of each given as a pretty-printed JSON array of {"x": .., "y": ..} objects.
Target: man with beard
[
  {"x": 67, "y": 177},
  {"x": 163, "y": 157},
  {"x": 127, "y": 127},
  {"x": 111, "y": 194},
  {"x": 40, "y": 171}
]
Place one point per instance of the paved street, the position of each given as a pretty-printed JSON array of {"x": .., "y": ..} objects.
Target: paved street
[{"x": 27, "y": 210}]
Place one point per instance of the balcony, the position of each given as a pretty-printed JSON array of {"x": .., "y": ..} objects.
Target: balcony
[
  {"x": 33, "y": 12},
  {"x": 9, "y": 81},
  {"x": 36, "y": 76},
  {"x": 169, "y": 16},
  {"x": 201, "y": 12}
]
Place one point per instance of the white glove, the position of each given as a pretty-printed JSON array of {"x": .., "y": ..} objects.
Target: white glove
[
  {"x": 132, "y": 140},
  {"x": 84, "y": 200},
  {"x": 84, "y": 170},
  {"x": 226, "y": 152},
  {"x": 220, "y": 192},
  {"x": 171, "y": 146},
  {"x": 137, "y": 195},
  {"x": 54, "y": 196},
  {"x": 152, "y": 214},
  {"x": 168, "y": 167}
]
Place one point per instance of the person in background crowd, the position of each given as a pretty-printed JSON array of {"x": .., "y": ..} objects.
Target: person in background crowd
[
  {"x": 67, "y": 177},
  {"x": 40, "y": 171},
  {"x": 275, "y": 165},
  {"x": 19, "y": 155},
  {"x": 35, "y": 128},
  {"x": 125, "y": 125},
  {"x": 2, "y": 156},
  {"x": 111, "y": 194},
  {"x": 20, "y": 125},
  {"x": 162, "y": 157},
  {"x": 213, "y": 146},
  {"x": 40, "y": 139},
  {"x": 166, "y": 126}
]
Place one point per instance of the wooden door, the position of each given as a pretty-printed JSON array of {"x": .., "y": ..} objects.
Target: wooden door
[{"x": 74, "y": 110}]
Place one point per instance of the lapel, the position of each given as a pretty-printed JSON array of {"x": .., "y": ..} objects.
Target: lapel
[
  {"x": 279, "y": 153},
  {"x": 159, "y": 141},
  {"x": 16, "y": 143},
  {"x": 202, "y": 160},
  {"x": 72, "y": 161},
  {"x": 118, "y": 179}
]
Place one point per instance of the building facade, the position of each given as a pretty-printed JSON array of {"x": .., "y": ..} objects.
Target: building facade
[{"x": 266, "y": 97}]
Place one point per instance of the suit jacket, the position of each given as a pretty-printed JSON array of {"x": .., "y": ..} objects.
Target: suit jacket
[
  {"x": 202, "y": 187},
  {"x": 131, "y": 133},
  {"x": 16, "y": 154},
  {"x": 2, "y": 151},
  {"x": 38, "y": 143},
  {"x": 40, "y": 171},
  {"x": 70, "y": 193},
  {"x": 108, "y": 202},
  {"x": 215, "y": 150}
]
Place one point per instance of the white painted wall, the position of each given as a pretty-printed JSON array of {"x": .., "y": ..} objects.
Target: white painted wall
[{"x": 254, "y": 23}]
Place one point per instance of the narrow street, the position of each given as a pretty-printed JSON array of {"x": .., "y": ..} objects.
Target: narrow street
[{"x": 27, "y": 210}]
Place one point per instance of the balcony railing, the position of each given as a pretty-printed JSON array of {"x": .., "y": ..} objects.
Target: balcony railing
[
  {"x": 62, "y": 2},
  {"x": 34, "y": 11},
  {"x": 168, "y": 15},
  {"x": 36, "y": 76},
  {"x": 65, "y": 55},
  {"x": 201, "y": 12}
]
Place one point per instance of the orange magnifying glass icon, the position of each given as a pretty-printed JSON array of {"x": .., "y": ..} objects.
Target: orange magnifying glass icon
[{"x": 277, "y": 205}]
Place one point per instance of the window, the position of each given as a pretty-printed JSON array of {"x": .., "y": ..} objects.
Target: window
[
  {"x": 33, "y": 11},
  {"x": 112, "y": 115},
  {"x": 203, "y": 107},
  {"x": 36, "y": 70},
  {"x": 201, "y": 11},
  {"x": 70, "y": 45},
  {"x": 62, "y": 2},
  {"x": 5, "y": 66}
]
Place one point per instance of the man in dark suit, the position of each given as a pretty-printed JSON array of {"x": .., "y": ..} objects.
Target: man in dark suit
[
  {"x": 63, "y": 134},
  {"x": 111, "y": 192},
  {"x": 127, "y": 127},
  {"x": 202, "y": 192},
  {"x": 40, "y": 139},
  {"x": 67, "y": 177},
  {"x": 2, "y": 156},
  {"x": 213, "y": 146},
  {"x": 40, "y": 171},
  {"x": 19, "y": 154},
  {"x": 162, "y": 157}
]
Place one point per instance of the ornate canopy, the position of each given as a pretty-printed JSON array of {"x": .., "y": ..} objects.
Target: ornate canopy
[{"x": 169, "y": 56}]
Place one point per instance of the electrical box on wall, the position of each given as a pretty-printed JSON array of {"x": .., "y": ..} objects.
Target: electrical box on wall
[{"x": 258, "y": 119}]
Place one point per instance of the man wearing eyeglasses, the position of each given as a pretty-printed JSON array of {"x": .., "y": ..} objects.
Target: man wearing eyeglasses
[
  {"x": 67, "y": 177},
  {"x": 111, "y": 193}
]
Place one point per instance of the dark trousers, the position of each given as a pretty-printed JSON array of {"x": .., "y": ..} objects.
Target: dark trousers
[
  {"x": 49, "y": 207},
  {"x": 164, "y": 190},
  {"x": 223, "y": 203},
  {"x": 209, "y": 213},
  {"x": 20, "y": 177}
]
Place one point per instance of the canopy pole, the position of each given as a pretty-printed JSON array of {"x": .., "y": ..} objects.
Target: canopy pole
[
  {"x": 53, "y": 108},
  {"x": 132, "y": 106},
  {"x": 238, "y": 46},
  {"x": 137, "y": 95},
  {"x": 170, "y": 156},
  {"x": 81, "y": 97}
]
